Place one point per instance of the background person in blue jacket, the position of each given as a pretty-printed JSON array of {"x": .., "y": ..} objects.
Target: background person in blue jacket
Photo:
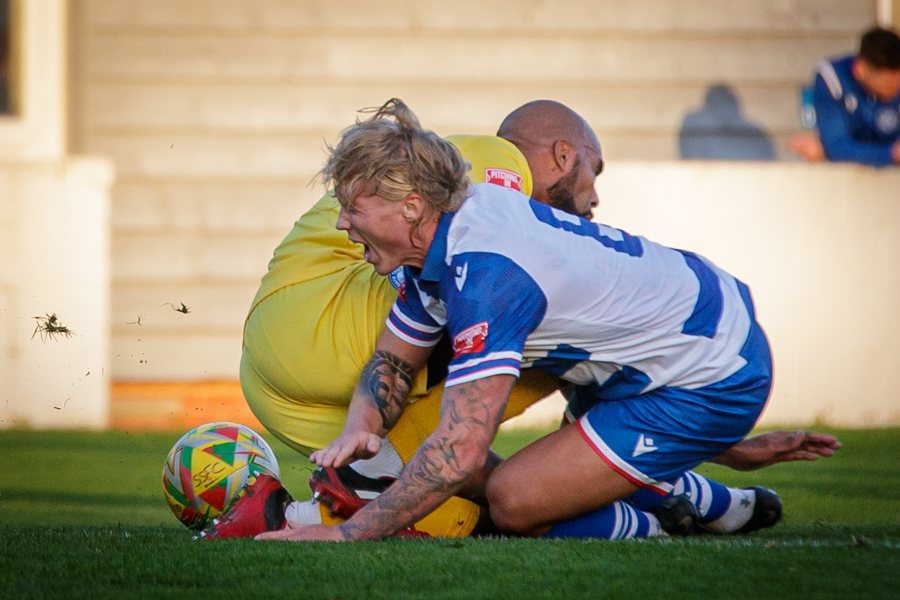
[{"x": 857, "y": 104}]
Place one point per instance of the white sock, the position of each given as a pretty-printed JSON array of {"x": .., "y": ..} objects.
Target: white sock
[
  {"x": 303, "y": 513},
  {"x": 387, "y": 463},
  {"x": 739, "y": 512}
]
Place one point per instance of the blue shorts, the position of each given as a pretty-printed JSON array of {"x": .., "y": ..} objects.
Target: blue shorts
[{"x": 654, "y": 437}]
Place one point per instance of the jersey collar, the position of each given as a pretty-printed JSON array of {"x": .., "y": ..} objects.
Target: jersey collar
[{"x": 435, "y": 261}]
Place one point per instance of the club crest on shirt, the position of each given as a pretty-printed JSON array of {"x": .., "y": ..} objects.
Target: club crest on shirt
[
  {"x": 503, "y": 178},
  {"x": 397, "y": 278},
  {"x": 886, "y": 120},
  {"x": 471, "y": 339}
]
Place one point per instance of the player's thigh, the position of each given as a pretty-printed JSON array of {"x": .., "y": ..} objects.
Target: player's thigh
[{"x": 553, "y": 479}]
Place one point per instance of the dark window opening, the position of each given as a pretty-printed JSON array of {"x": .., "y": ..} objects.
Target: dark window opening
[{"x": 7, "y": 104}]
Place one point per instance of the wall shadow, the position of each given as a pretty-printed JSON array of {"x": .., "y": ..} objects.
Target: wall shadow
[{"x": 718, "y": 131}]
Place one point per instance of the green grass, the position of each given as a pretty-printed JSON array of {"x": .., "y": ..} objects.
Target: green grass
[
  {"x": 74, "y": 478},
  {"x": 82, "y": 516}
]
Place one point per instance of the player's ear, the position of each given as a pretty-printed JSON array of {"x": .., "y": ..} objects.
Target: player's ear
[
  {"x": 563, "y": 155},
  {"x": 413, "y": 208},
  {"x": 860, "y": 69}
]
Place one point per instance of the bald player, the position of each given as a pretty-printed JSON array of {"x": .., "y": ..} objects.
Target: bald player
[{"x": 563, "y": 152}]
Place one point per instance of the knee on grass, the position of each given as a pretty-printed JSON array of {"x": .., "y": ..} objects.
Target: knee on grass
[{"x": 509, "y": 510}]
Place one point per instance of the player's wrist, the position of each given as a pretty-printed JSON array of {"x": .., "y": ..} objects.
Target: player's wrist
[{"x": 364, "y": 422}]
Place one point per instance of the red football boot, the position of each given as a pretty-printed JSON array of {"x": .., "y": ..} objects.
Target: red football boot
[
  {"x": 344, "y": 491},
  {"x": 259, "y": 509},
  {"x": 411, "y": 532}
]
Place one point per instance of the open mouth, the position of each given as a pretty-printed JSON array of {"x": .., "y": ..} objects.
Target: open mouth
[{"x": 367, "y": 251}]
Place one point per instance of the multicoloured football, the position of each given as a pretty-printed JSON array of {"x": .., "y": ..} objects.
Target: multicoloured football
[{"x": 209, "y": 467}]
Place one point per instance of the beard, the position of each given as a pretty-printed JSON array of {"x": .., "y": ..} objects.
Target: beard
[{"x": 561, "y": 194}]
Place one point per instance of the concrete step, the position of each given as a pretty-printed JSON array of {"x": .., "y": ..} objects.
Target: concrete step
[
  {"x": 188, "y": 357},
  {"x": 474, "y": 60},
  {"x": 213, "y": 306},
  {"x": 323, "y": 109},
  {"x": 495, "y": 16},
  {"x": 184, "y": 256},
  {"x": 258, "y": 207}
]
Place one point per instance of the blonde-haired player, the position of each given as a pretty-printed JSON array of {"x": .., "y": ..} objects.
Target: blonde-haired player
[{"x": 315, "y": 320}]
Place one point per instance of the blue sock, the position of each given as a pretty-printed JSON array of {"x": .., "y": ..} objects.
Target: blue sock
[
  {"x": 645, "y": 499},
  {"x": 724, "y": 509},
  {"x": 618, "y": 521},
  {"x": 710, "y": 497}
]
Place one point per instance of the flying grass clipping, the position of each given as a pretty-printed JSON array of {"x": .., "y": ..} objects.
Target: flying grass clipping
[{"x": 49, "y": 327}]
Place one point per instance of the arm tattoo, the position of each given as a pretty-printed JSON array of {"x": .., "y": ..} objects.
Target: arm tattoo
[
  {"x": 388, "y": 379},
  {"x": 470, "y": 415}
]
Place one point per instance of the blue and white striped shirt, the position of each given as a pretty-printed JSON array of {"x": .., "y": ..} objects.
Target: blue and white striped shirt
[{"x": 518, "y": 284}]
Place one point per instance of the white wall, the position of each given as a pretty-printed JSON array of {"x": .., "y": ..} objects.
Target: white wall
[
  {"x": 55, "y": 248},
  {"x": 54, "y": 245}
]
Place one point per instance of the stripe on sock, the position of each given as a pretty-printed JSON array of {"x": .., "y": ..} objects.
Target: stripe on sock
[{"x": 618, "y": 521}]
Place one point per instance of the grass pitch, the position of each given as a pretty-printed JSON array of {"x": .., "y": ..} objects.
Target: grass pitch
[{"x": 82, "y": 516}]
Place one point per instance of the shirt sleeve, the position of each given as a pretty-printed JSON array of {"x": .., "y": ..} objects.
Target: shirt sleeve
[
  {"x": 492, "y": 307},
  {"x": 409, "y": 320},
  {"x": 836, "y": 135}
]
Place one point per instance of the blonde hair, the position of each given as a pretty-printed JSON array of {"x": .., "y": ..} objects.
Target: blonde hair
[{"x": 390, "y": 153}]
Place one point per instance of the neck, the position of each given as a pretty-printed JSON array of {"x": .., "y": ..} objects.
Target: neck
[{"x": 421, "y": 239}]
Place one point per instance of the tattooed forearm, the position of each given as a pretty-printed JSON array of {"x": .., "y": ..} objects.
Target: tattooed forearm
[
  {"x": 388, "y": 379},
  {"x": 466, "y": 402},
  {"x": 424, "y": 485},
  {"x": 470, "y": 415}
]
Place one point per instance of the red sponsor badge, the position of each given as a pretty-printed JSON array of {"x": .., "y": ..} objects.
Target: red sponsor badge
[
  {"x": 503, "y": 178},
  {"x": 471, "y": 339}
]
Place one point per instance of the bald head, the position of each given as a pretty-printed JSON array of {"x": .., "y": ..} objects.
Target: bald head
[
  {"x": 562, "y": 150},
  {"x": 542, "y": 122}
]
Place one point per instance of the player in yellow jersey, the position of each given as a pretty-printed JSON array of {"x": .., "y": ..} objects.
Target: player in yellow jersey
[{"x": 321, "y": 307}]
